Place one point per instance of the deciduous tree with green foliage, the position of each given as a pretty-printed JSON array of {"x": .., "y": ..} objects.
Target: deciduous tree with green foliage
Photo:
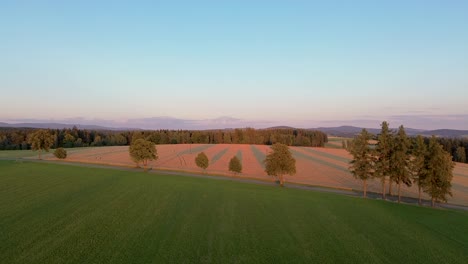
[
  {"x": 439, "y": 172},
  {"x": 202, "y": 161},
  {"x": 280, "y": 162},
  {"x": 363, "y": 162},
  {"x": 417, "y": 164},
  {"x": 235, "y": 165},
  {"x": 60, "y": 153},
  {"x": 143, "y": 151},
  {"x": 400, "y": 163},
  {"x": 383, "y": 153},
  {"x": 41, "y": 140}
]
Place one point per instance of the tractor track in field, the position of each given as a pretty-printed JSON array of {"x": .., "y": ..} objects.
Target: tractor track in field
[{"x": 347, "y": 192}]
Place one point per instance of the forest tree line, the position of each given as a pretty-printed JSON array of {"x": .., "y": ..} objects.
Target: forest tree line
[{"x": 17, "y": 138}]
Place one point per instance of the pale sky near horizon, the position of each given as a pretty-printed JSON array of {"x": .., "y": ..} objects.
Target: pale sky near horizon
[{"x": 291, "y": 62}]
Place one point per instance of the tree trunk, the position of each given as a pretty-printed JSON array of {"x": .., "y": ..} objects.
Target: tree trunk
[
  {"x": 390, "y": 187},
  {"x": 281, "y": 179},
  {"x": 383, "y": 187},
  {"x": 432, "y": 202},
  {"x": 40, "y": 153},
  {"x": 419, "y": 194},
  {"x": 365, "y": 188},
  {"x": 399, "y": 192}
]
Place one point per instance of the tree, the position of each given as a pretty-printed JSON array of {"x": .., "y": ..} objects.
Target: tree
[
  {"x": 202, "y": 160},
  {"x": 439, "y": 172},
  {"x": 399, "y": 168},
  {"x": 417, "y": 164},
  {"x": 461, "y": 155},
  {"x": 60, "y": 153},
  {"x": 142, "y": 151},
  {"x": 41, "y": 140},
  {"x": 383, "y": 155},
  {"x": 363, "y": 162},
  {"x": 280, "y": 162},
  {"x": 68, "y": 140},
  {"x": 235, "y": 165}
]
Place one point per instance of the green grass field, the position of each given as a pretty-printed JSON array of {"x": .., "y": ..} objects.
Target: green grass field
[
  {"x": 68, "y": 214},
  {"x": 14, "y": 154}
]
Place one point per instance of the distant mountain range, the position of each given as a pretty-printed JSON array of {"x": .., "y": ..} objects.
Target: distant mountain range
[
  {"x": 350, "y": 131},
  {"x": 59, "y": 126},
  {"x": 340, "y": 131}
]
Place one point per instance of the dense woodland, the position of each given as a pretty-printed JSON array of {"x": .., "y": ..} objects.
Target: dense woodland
[{"x": 16, "y": 138}]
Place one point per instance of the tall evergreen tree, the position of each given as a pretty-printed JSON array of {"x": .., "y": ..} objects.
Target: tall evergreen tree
[
  {"x": 461, "y": 155},
  {"x": 439, "y": 166},
  {"x": 417, "y": 164},
  {"x": 383, "y": 155},
  {"x": 400, "y": 172},
  {"x": 363, "y": 162}
]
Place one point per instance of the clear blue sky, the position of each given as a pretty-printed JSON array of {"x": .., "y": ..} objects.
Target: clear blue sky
[{"x": 295, "y": 62}]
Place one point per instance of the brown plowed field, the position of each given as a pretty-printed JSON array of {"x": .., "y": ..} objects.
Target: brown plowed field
[{"x": 315, "y": 166}]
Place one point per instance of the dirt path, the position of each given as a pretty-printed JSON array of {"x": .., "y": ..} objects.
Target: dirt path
[{"x": 370, "y": 195}]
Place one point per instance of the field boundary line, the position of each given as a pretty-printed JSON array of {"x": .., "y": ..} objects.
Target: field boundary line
[{"x": 292, "y": 185}]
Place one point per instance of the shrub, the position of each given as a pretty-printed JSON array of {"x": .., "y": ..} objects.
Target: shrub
[{"x": 60, "y": 153}]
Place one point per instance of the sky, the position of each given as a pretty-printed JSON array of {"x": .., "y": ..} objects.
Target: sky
[{"x": 298, "y": 63}]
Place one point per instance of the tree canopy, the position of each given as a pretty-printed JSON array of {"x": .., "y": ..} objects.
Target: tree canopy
[
  {"x": 41, "y": 140},
  {"x": 143, "y": 151},
  {"x": 383, "y": 152},
  {"x": 202, "y": 160},
  {"x": 280, "y": 162},
  {"x": 363, "y": 162},
  {"x": 15, "y": 138},
  {"x": 235, "y": 165},
  {"x": 412, "y": 160},
  {"x": 417, "y": 164},
  {"x": 438, "y": 173},
  {"x": 399, "y": 169}
]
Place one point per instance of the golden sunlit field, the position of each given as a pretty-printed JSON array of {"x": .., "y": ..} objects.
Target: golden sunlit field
[{"x": 315, "y": 166}]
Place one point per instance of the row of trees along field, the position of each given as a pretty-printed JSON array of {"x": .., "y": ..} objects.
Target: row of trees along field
[
  {"x": 17, "y": 138},
  {"x": 142, "y": 151},
  {"x": 401, "y": 160},
  {"x": 278, "y": 163}
]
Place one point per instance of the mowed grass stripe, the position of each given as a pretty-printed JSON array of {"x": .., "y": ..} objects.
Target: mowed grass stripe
[
  {"x": 218, "y": 155},
  {"x": 324, "y": 154},
  {"x": 110, "y": 216},
  {"x": 299, "y": 154},
  {"x": 195, "y": 149},
  {"x": 239, "y": 155},
  {"x": 259, "y": 155},
  {"x": 461, "y": 175}
]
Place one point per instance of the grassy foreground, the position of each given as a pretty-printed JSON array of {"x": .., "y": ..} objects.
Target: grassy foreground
[{"x": 65, "y": 214}]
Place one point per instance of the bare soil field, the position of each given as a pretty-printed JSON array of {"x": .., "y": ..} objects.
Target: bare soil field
[{"x": 315, "y": 166}]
